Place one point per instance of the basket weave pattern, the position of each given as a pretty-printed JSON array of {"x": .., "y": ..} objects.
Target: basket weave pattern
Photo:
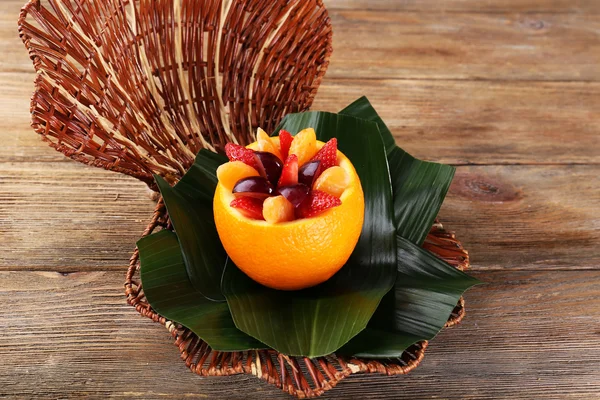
[
  {"x": 140, "y": 86},
  {"x": 299, "y": 376}
]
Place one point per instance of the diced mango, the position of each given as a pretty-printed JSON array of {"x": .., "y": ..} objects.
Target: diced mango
[
  {"x": 304, "y": 145},
  {"x": 333, "y": 180},
  {"x": 266, "y": 143},
  {"x": 230, "y": 173},
  {"x": 278, "y": 209}
]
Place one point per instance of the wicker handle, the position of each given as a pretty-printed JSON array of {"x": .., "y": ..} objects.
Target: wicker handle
[{"x": 140, "y": 86}]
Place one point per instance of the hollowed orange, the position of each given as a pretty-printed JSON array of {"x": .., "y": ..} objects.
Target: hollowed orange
[{"x": 297, "y": 254}]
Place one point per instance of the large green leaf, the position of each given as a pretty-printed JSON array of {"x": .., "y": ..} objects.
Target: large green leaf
[
  {"x": 419, "y": 186},
  {"x": 194, "y": 224},
  {"x": 171, "y": 294},
  {"x": 426, "y": 291},
  {"x": 362, "y": 108},
  {"x": 317, "y": 321}
]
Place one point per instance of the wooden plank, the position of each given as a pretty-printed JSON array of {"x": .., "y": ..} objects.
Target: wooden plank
[
  {"x": 454, "y": 122},
  {"x": 512, "y": 217},
  {"x": 68, "y": 217},
  {"x": 477, "y": 6},
  {"x": 14, "y": 55},
  {"x": 526, "y": 335},
  {"x": 385, "y": 44},
  {"x": 19, "y": 141},
  {"x": 460, "y": 122},
  {"x": 431, "y": 45}
]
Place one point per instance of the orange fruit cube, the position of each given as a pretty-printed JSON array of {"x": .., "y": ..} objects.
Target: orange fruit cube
[
  {"x": 230, "y": 173},
  {"x": 278, "y": 209},
  {"x": 333, "y": 181},
  {"x": 265, "y": 143},
  {"x": 304, "y": 145}
]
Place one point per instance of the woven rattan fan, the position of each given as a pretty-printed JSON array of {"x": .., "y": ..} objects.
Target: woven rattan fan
[{"x": 140, "y": 86}]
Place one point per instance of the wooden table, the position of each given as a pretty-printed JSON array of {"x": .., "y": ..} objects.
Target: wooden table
[{"x": 508, "y": 91}]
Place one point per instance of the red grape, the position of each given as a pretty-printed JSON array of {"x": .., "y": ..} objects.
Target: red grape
[
  {"x": 271, "y": 166},
  {"x": 309, "y": 173},
  {"x": 254, "y": 186},
  {"x": 295, "y": 194}
]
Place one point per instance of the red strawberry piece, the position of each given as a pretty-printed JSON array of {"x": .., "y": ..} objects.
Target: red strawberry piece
[
  {"x": 316, "y": 202},
  {"x": 327, "y": 155},
  {"x": 285, "y": 141},
  {"x": 235, "y": 152},
  {"x": 289, "y": 174},
  {"x": 249, "y": 206}
]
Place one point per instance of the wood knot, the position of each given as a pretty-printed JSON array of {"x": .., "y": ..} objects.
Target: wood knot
[
  {"x": 534, "y": 24},
  {"x": 484, "y": 188}
]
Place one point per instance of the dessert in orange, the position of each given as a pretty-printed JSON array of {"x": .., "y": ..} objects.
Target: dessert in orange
[{"x": 289, "y": 210}]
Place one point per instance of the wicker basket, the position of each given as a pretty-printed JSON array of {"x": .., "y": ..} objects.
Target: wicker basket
[
  {"x": 299, "y": 376},
  {"x": 140, "y": 86}
]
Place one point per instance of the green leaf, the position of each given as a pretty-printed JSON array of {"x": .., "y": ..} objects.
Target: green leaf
[
  {"x": 194, "y": 224},
  {"x": 362, "y": 108},
  {"x": 317, "y": 321},
  {"x": 419, "y": 186},
  {"x": 171, "y": 294},
  {"x": 200, "y": 181},
  {"x": 419, "y": 191},
  {"x": 426, "y": 291}
]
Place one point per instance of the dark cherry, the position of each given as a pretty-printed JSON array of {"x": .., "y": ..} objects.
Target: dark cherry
[
  {"x": 309, "y": 172},
  {"x": 255, "y": 186},
  {"x": 271, "y": 166},
  {"x": 295, "y": 194}
]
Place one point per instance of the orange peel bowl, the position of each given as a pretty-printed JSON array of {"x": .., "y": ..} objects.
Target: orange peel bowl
[{"x": 297, "y": 254}]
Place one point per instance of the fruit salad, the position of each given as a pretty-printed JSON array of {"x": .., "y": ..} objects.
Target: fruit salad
[
  {"x": 289, "y": 209},
  {"x": 284, "y": 179}
]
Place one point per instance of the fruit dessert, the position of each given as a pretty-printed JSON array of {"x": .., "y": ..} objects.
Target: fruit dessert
[{"x": 289, "y": 210}]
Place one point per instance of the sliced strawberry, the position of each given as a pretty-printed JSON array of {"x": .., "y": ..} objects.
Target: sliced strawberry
[
  {"x": 250, "y": 207},
  {"x": 285, "y": 141},
  {"x": 317, "y": 202},
  {"x": 235, "y": 152},
  {"x": 327, "y": 155},
  {"x": 289, "y": 174}
]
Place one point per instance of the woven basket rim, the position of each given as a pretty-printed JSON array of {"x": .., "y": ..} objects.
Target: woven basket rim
[{"x": 299, "y": 376}]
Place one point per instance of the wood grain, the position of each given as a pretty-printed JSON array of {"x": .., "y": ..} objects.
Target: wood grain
[
  {"x": 455, "y": 122},
  {"x": 430, "y": 45},
  {"x": 464, "y": 122},
  {"x": 72, "y": 336},
  {"x": 476, "y": 6},
  {"x": 538, "y": 218},
  {"x": 67, "y": 217},
  {"x": 385, "y": 44},
  {"x": 459, "y": 81},
  {"x": 19, "y": 141},
  {"x": 14, "y": 56}
]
